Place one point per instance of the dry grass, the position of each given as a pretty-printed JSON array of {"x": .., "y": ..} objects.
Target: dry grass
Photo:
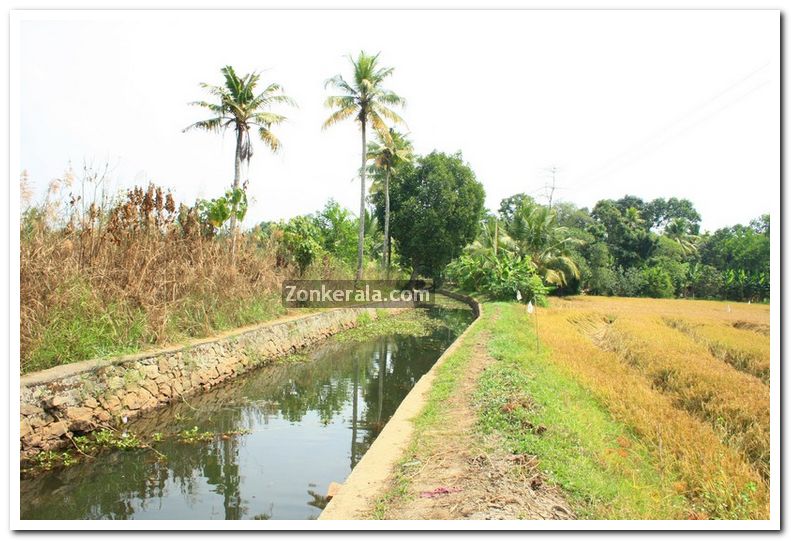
[
  {"x": 100, "y": 278},
  {"x": 735, "y": 344},
  {"x": 705, "y": 421}
]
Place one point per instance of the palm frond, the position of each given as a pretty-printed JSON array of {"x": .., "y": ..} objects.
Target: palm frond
[
  {"x": 339, "y": 116},
  {"x": 211, "y": 124},
  {"x": 269, "y": 139}
]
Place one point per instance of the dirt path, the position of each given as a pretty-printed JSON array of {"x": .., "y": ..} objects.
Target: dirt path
[{"x": 459, "y": 475}]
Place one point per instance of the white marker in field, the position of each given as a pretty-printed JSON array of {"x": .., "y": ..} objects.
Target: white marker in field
[{"x": 530, "y": 307}]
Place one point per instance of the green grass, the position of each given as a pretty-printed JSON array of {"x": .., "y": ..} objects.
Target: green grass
[
  {"x": 409, "y": 322},
  {"x": 447, "y": 377},
  {"x": 540, "y": 410},
  {"x": 200, "y": 316},
  {"x": 84, "y": 328}
]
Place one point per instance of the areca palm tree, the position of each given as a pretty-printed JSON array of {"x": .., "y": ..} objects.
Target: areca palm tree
[
  {"x": 364, "y": 99},
  {"x": 239, "y": 105},
  {"x": 490, "y": 237},
  {"x": 533, "y": 232},
  {"x": 387, "y": 154}
]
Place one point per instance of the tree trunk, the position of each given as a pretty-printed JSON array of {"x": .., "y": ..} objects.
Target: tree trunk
[
  {"x": 413, "y": 276},
  {"x": 237, "y": 174},
  {"x": 386, "y": 250},
  {"x": 496, "y": 235},
  {"x": 361, "y": 234}
]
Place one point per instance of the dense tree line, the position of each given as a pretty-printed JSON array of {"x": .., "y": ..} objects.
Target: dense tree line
[{"x": 625, "y": 247}]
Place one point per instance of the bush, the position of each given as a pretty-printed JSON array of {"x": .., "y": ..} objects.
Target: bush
[
  {"x": 500, "y": 277},
  {"x": 602, "y": 281},
  {"x": 302, "y": 241},
  {"x": 656, "y": 283},
  {"x": 706, "y": 282},
  {"x": 629, "y": 282}
]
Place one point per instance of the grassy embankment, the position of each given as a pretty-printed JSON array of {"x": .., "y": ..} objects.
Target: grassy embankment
[{"x": 639, "y": 420}]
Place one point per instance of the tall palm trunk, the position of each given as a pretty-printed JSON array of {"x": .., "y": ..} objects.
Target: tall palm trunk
[
  {"x": 387, "y": 223},
  {"x": 237, "y": 174},
  {"x": 361, "y": 234}
]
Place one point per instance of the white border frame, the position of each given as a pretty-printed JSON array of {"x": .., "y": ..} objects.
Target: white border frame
[{"x": 15, "y": 18}]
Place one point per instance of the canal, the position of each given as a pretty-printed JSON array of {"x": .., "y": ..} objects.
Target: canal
[{"x": 265, "y": 445}]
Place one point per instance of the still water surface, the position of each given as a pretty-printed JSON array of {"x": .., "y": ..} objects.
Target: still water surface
[{"x": 309, "y": 423}]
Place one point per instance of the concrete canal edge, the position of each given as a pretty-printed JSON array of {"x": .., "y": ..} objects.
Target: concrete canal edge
[
  {"x": 57, "y": 403},
  {"x": 369, "y": 478}
]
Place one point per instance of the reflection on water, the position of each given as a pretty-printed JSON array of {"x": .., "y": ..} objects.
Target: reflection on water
[{"x": 308, "y": 423}]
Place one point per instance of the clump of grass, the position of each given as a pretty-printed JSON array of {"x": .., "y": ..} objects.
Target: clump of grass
[
  {"x": 410, "y": 322},
  {"x": 80, "y": 327},
  {"x": 195, "y": 435}
]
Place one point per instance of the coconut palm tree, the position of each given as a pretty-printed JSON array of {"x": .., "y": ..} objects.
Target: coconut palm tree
[
  {"x": 365, "y": 100},
  {"x": 240, "y": 106},
  {"x": 680, "y": 231},
  {"x": 387, "y": 154},
  {"x": 534, "y": 232}
]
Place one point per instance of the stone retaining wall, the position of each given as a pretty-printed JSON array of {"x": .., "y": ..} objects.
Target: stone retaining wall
[{"x": 76, "y": 398}]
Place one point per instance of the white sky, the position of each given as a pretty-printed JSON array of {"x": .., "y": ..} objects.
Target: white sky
[{"x": 654, "y": 104}]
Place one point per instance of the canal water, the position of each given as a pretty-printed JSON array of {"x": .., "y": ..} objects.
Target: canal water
[{"x": 282, "y": 434}]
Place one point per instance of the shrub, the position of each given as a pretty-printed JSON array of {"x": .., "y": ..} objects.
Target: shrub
[
  {"x": 656, "y": 283},
  {"x": 706, "y": 282},
  {"x": 302, "y": 240},
  {"x": 500, "y": 277},
  {"x": 629, "y": 282}
]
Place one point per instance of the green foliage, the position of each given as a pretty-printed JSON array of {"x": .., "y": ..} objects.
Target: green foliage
[
  {"x": 534, "y": 233},
  {"x": 303, "y": 241},
  {"x": 705, "y": 281},
  {"x": 629, "y": 247},
  {"x": 436, "y": 207},
  {"x": 241, "y": 106},
  {"x": 509, "y": 205},
  {"x": 628, "y": 238},
  {"x": 337, "y": 231},
  {"x": 194, "y": 435},
  {"x": 216, "y": 212},
  {"x": 656, "y": 283},
  {"x": 500, "y": 277}
]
